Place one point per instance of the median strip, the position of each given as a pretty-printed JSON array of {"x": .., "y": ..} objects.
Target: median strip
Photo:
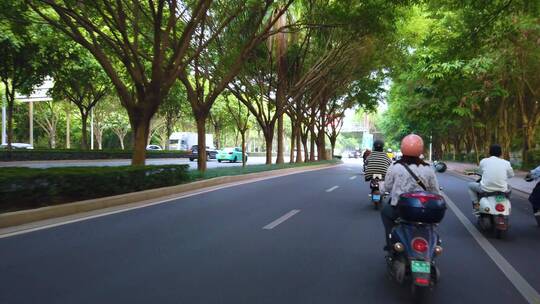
[
  {"x": 47, "y": 217},
  {"x": 280, "y": 220}
]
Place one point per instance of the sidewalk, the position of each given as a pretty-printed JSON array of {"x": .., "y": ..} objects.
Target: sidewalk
[{"x": 517, "y": 182}]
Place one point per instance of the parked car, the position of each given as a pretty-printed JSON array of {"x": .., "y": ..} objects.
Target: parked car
[
  {"x": 210, "y": 153},
  {"x": 231, "y": 154},
  {"x": 153, "y": 148},
  {"x": 22, "y": 146}
]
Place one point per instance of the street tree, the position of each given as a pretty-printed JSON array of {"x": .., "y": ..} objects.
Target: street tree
[
  {"x": 142, "y": 46},
  {"x": 81, "y": 81}
]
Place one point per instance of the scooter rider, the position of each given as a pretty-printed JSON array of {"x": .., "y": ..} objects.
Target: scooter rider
[
  {"x": 495, "y": 173},
  {"x": 534, "y": 198},
  {"x": 377, "y": 162},
  {"x": 399, "y": 180}
]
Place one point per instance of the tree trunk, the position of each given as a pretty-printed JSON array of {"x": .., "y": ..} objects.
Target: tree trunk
[
  {"x": 84, "y": 131},
  {"x": 53, "y": 139},
  {"x": 201, "y": 140},
  {"x": 10, "y": 106},
  {"x": 68, "y": 129},
  {"x": 333, "y": 144},
  {"x": 293, "y": 138},
  {"x": 268, "y": 139},
  {"x": 312, "y": 145},
  {"x": 298, "y": 134},
  {"x": 280, "y": 140},
  {"x": 305, "y": 144},
  {"x": 243, "y": 135},
  {"x": 121, "y": 139},
  {"x": 141, "y": 129}
]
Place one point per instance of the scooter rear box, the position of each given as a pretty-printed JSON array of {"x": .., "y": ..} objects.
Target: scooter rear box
[{"x": 421, "y": 206}]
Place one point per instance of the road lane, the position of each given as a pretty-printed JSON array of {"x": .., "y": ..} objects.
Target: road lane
[
  {"x": 522, "y": 241},
  {"x": 210, "y": 248}
]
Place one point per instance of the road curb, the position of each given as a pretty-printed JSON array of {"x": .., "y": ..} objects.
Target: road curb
[{"x": 17, "y": 218}]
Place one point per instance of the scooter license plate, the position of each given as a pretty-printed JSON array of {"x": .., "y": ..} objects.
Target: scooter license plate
[
  {"x": 500, "y": 198},
  {"x": 376, "y": 197},
  {"x": 420, "y": 267}
]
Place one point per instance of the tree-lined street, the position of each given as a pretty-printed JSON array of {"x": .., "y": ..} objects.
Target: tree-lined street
[{"x": 234, "y": 245}]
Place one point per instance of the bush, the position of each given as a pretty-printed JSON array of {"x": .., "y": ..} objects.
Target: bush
[
  {"x": 24, "y": 188},
  {"x": 28, "y": 155},
  {"x": 533, "y": 160}
]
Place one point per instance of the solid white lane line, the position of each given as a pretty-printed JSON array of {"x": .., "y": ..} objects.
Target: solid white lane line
[
  {"x": 282, "y": 219},
  {"x": 46, "y": 224},
  {"x": 352, "y": 177},
  {"x": 332, "y": 189},
  {"x": 527, "y": 291}
]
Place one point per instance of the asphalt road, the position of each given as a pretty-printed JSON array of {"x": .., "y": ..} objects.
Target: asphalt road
[
  {"x": 311, "y": 237},
  {"x": 255, "y": 160}
]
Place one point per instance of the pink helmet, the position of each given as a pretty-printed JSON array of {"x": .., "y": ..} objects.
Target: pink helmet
[{"x": 412, "y": 145}]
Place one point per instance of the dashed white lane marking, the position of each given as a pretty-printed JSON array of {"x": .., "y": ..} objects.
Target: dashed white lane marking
[
  {"x": 349, "y": 169},
  {"x": 282, "y": 219},
  {"x": 332, "y": 189},
  {"x": 526, "y": 290},
  {"x": 352, "y": 177}
]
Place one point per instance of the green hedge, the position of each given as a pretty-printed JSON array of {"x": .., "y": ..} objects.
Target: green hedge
[
  {"x": 533, "y": 160},
  {"x": 26, "y": 155},
  {"x": 25, "y": 188}
]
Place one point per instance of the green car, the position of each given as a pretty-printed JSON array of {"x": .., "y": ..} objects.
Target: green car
[{"x": 231, "y": 154}]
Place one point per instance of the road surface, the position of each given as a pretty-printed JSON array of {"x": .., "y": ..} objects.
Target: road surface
[{"x": 311, "y": 237}]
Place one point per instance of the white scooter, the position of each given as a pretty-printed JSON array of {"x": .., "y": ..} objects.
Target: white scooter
[{"x": 493, "y": 211}]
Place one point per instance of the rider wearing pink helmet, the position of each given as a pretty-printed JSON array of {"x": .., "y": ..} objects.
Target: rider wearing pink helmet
[{"x": 399, "y": 180}]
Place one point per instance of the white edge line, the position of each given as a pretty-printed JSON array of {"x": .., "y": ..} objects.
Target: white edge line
[
  {"x": 526, "y": 290},
  {"x": 332, "y": 189},
  {"x": 182, "y": 196},
  {"x": 281, "y": 219}
]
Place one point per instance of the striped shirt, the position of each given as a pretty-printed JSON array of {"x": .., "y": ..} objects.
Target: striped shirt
[{"x": 377, "y": 163}]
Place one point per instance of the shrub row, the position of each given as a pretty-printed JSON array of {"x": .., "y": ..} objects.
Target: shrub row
[
  {"x": 25, "y": 188},
  {"x": 26, "y": 155}
]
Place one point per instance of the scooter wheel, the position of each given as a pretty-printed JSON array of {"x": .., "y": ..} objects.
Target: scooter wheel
[
  {"x": 500, "y": 233},
  {"x": 419, "y": 293}
]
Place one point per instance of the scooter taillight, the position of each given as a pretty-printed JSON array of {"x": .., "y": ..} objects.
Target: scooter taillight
[
  {"x": 499, "y": 207},
  {"x": 420, "y": 245}
]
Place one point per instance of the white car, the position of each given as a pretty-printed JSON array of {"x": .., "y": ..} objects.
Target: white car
[
  {"x": 18, "y": 146},
  {"x": 153, "y": 148}
]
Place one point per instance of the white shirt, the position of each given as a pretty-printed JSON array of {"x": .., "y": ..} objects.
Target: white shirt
[{"x": 495, "y": 174}]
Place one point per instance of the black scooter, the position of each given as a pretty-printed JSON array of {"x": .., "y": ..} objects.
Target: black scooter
[{"x": 415, "y": 242}]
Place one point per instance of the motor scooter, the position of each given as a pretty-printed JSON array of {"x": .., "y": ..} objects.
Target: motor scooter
[
  {"x": 375, "y": 195},
  {"x": 493, "y": 211},
  {"x": 415, "y": 243}
]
